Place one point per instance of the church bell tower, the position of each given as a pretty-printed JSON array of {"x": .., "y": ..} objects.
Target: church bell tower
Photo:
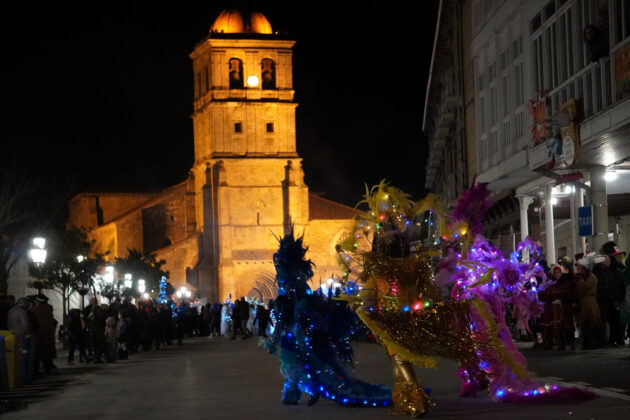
[{"x": 247, "y": 175}]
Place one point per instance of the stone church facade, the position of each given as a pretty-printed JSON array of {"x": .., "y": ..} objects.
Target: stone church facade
[{"x": 217, "y": 230}]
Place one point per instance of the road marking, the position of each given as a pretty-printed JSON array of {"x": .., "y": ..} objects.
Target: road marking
[
  {"x": 602, "y": 392},
  {"x": 578, "y": 383},
  {"x": 552, "y": 378},
  {"x": 611, "y": 389}
]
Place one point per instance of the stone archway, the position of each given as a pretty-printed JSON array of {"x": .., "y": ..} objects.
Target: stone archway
[{"x": 264, "y": 287}]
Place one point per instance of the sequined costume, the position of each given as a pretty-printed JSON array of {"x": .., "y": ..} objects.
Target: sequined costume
[
  {"x": 458, "y": 314},
  {"x": 313, "y": 335}
]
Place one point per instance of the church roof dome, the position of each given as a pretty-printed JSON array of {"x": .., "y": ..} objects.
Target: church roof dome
[{"x": 238, "y": 22}]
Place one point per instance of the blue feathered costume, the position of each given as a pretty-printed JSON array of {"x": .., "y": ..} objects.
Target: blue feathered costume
[{"x": 313, "y": 334}]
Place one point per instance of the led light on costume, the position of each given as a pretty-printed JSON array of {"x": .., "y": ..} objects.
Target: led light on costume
[
  {"x": 404, "y": 308},
  {"x": 313, "y": 334}
]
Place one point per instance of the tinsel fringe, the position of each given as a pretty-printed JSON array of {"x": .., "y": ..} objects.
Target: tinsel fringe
[{"x": 383, "y": 336}]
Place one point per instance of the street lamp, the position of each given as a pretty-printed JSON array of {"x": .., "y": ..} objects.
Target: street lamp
[
  {"x": 610, "y": 175},
  {"x": 183, "y": 292},
  {"x": 38, "y": 254},
  {"x": 141, "y": 286},
  {"x": 128, "y": 282},
  {"x": 108, "y": 280},
  {"x": 83, "y": 290},
  {"x": 109, "y": 274}
]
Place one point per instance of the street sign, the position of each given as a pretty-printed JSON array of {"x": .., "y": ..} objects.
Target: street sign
[{"x": 585, "y": 221}]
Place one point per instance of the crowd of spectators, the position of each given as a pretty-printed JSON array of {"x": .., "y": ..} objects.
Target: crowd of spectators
[
  {"x": 589, "y": 301},
  {"x": 105, "y": 333}
]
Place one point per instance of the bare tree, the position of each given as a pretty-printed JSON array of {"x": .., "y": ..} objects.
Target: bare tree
[{"x": 27, "y": 205}]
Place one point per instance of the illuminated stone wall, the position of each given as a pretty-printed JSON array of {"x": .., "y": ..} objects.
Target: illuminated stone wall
[
  {"x": 216, "y": 230},
  {"x": 91, "y": 209},
  {"x": 321, "y": 236},
  {"x": 180, "y": 257}
]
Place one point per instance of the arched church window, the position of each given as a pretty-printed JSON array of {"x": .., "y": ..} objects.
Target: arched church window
[
  {"x": 236, "y": 73},
  {"x": 268, "y": 72}
]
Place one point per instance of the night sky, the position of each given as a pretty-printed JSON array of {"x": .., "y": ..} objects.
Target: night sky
[{"x": 98, "y": 94}]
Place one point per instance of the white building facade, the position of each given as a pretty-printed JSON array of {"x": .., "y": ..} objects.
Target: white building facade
[{"x": 575, "y": 56}]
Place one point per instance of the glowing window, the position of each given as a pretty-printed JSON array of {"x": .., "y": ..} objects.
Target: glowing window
[
  {"x": 268, "y": 73},
  {"x": 236, "y": 73}
]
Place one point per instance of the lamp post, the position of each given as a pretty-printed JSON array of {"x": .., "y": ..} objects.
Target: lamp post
[
  {"x": 142, "y": 287},
  {"x": 128, "y": 281},
  {"x": 108, "y": 278},
  {"x": 109, "y": 275},
  {"x": 183, "y": 292},
  {"x": 38, "y": 254},
  {"x": 83, "y": 290}
]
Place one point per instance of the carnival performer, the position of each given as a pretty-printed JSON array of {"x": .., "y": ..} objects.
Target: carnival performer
[
  {"x": 401, "y": 301},
  {"x": 482, "y": 275},
  {"x": 226, "y": 317},
  {"x": 313, "y": 334}
]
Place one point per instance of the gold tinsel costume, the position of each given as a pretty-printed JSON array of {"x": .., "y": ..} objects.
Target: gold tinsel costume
[{"x": 398, "y": 300}]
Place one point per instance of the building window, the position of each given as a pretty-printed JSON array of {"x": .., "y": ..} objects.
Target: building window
[
  {"x": 238, "y": 127},
  {"x": 507, "y": 133},
  {"x": 268, "y": 72},
  {"x": 518, "y": 84},
  {"x": 480, "y": 83},
  {"x": 494, "y": 142},
  {"x": 484, "y": 148},
  {"x": 236, "y": 73},
  {"x": 517, "y": 48},
  {"x": 538, "y": 63},
  {"x": 482, "y": 114},
  {"x": 550, "y": 9},
  {"x": 207, "y": 78},
  {"x": 483, "y": 153},
  {"x": 270, "y": 127},
  {"x": 198, "y": 90},
  {"x": 492, "y": 72},
  {"x": 569, "y": 42},
  {"x": 536, "y": 22},
  {"x": 503, "y": 60},
  {"x": 493, "y": 105},
  {"x": 478, "y": 13},
  {"x": 621, "y": 21},
  {"x": 519, "y": 125},
  {"x": 506, "y": 95}
]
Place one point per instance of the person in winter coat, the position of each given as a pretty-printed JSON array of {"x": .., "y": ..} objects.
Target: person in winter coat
[
  {"x": 157, "y": 327},
  {"x": 111, "y": 344},
  {"x": 215, "y": 326},
  {"x": 96, "y": 321},
  {"x": 624, "y": 313},
  {"x": 589, "y": 315},
  {"x": 236, "y": 319},
  {"x": 45, "y": 350},
  {"x": 558, "y": 299},
  {"x": 262, "y": 316},
  {"x": 122, "y": 336},
  {"x": 243, "y": 309},
  {"x": 610, "y": 293},
  {"x": 18, "y": 318},
  {"x": 76, "y": 337}
]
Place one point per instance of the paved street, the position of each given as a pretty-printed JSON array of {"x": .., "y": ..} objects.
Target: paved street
[
  {"x": 605, "y": 368},
  {"x": 236, "y": 379}
]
